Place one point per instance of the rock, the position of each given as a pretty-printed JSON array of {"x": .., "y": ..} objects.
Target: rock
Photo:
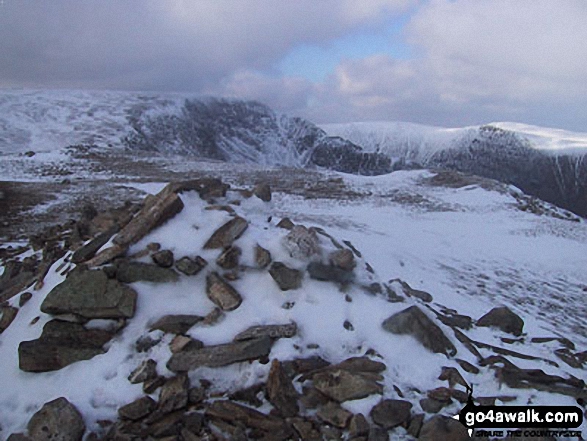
[
  {"x": 312, "y": 398},
  {"x": 18, "y": 437},
  {"x": 163, "y": 258},
  {"x": 342, "y": 385},
  {"x": 156, "y": 211},
  {"x": 456, "y": 320},
  {"x": 358, "y": 426},
  {"x": 189, "y": 266},
  {"x": 286, "y": 223},
  {"x": 229, "y": 258},
  {"x": 181, "y": 342},
  {"x": 196, "y": 395},
  {"x": 250, "y": 395},
  {"x": 207, "y": 188},
  {"x": 453, "y": 376},
  {"x": 146, "y": 342},
  {"x": 8, "y": 314},
  {"x": 91, "y": 248},
  {"x": 222, "y": 293},
  {"x": 302, "y": 243},
  {"x": 334, "y": 415},
  {"x": 262, "y": 257},
  {"x": 441, "y": 427},
  {"x": 213, "y": 317},
  {"x": 343, "y": 259},
  {"x": 305, "y": 429},
  {"x": 61, "y": 344},
  {"x": 272, "y": 331},
  {"x": 415, "y": 425},
  {"x": 280, "y": 391},
  {"x": 23, "y": 299},
  {"x": 263, "y": 192},
  {"x": 411, "y": 292},
  {"x": 414, "y": 322},
  {"x": 225, "y": 235},
  {"x": 378, "y": 434},
  {"x": 176, "y": 323},
  {"x": 107, "y": 255},
  {"x": 329, "y": 273},
  {"x": 92, "y": 295},
  {"x": 174, "y": 394},
  {"x": 151, "y": 385},
  {"x": 430, "y": 405},
  {"x": 286, "y": 278},
  {"x": 348, "y": 326},
  {"x": 130, "y": 272},
  {"x": 147, "y": 370},
  {"x": 58, "y": 420},
  {"x": 137, "y": 409},
  {"x": 233, "y": 412},
  {"x": 503, "y": 318},
  {"x": 391, "y": 413},
  {"x": 472, "y": 369},
  {"x": 220, "y": 355}
]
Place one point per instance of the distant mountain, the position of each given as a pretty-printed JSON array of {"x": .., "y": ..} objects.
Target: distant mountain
[{"x": 546, "y": 163}]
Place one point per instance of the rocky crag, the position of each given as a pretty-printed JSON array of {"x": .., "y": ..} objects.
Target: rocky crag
[{"x": 111, "y": 265}]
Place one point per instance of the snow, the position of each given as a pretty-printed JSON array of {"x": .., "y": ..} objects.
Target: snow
[{"x": 446, "y": 241}]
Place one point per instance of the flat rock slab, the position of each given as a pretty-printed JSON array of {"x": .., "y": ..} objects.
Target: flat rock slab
[
  {"x": 342, "y": 385},
  {"x": 176, "y": 324},
  {"x": 273, "y": 331},
  {"x": 60, "y": 345},
  {"x": 233, "y": 412},
  {"x": 224, "y": 236},
  {"x": 414, "y": 322},
  {"x": 91, "y": 294},
  {"x": 130, "y": 272},
  {"x": 222, "y": 293},
  {"x": 137, "y": 409},
  {"x": 281, "y": 392},
  {"x": 329, "y": 273},
  {"x": 286, "y": 278},
  {"x": 57, "y": 420},
  {"x": 391, "y": 413},
  {"x": 220, "y": 355}
]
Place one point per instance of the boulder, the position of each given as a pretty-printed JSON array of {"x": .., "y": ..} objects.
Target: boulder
[
  {"x": 229, "y": 258},
  {"x": 331, "y": 413},
  {"x": 391, "y": 413},
  {"x": 137, "y": 409},
  {"x": 91, "y": 294},
  {"x": 163, "y": 258},
  {"x": 156, "y": 211},
  {"x": 130, "y": 272},
  {"x": 342, "y": 385},
  {"x": 57, "y": 420},
  {"x": 272, "y": 331},
  {"x": 444, "y": 428},
  {"x": 189, "y": 266},
  {"x": 222, "y": 293},
  {"x": 262, "y": 257},
  {"x": 220, "y": 355},
  {"x": 329, "y": 273},
  {"x": 61, "y": 344},
  {"x": 414, "y": 322},
  {"x": 281, "y": 392},
  {"x": 503, "y": 318},
  {"x": 286, "y": 278},
  {"x": 176, "y": 323},
  {"x": 263, "y": 192},
  {"x": 225, "y": 235},
  {"x": 302, "y": 243}
]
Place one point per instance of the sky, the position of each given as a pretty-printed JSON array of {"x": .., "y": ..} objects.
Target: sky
[{"x": 449, "y": 63}]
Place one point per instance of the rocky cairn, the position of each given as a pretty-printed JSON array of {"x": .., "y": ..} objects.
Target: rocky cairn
[{"x": 301, "y": 398}]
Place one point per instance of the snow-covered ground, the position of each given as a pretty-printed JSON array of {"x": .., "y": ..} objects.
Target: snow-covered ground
[{"x": 471, "y": 248}]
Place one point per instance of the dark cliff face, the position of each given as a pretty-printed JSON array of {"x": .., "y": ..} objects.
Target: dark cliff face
[{"x": 504, "y": 156}]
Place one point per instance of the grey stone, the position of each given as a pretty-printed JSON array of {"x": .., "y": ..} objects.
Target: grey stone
[
  {"x": 130, "y": 272},
  {"x": 61, "y": 344},
  {"x": 182, "y": 342},
  {"x": 147, "y": 370},
  {"x": 233, "y": 412},
  {"x": 430, "y": 405},
  {"x": 24, "y": 298},
  {"x": 286, "y": 223},
  {"x": 222, "y": 293},
  {"x": 189, "y": 266},
  {"x": 263, "y": 192},
  {"x": 456, "y": 321},
  {"x": 206, "y": 187},
  {"x": 91, "y": 248},
  {"x": 280, "y": 391},
  {"x": 92, "y": 295},
  {"x": 358, "y": 426},
  {"x": 57, "y": 420},
  {"x": 391, "y": 413},
  {"x": 332, "y": 413},
  {"x": 174, "y": 394},
  {"x": 225, "y": 235},
  {"x": 8, "y": 314},
  {"x": 378, "y": 434},
  {"x": 163, "y": 258},
  {"x": 441, "y": 427},
  {"x": 262, "y": 257},
  {"x": 343, "y": 259},
  {"x": 18, "y": 437},
  {"x": 503, "y": 318},
  {"x": 329, "y": 273},
  {"x": 273, "y": 331},
  {"x": 302, "y": 243},
  {"x": 453, "y": 376},
  {"x": 156, "y": 211},
  {"x": 176, "y": 323},
  {"x": 342, "y": 385},
  {"x": 137, "y": 409},
  {"x": 220, "y": 355},
  {"x": 107, "y": 255},
  {"x": 414, "y": 322},
  {"x": 151, "y": 385},
  {"x": 415, "y": 425},
  {"x": 411, "y": 292},
  {"x": 229, "y": 257},
  {"x": 472, "y": 369},
  {"x": 286, "y": 278}
]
